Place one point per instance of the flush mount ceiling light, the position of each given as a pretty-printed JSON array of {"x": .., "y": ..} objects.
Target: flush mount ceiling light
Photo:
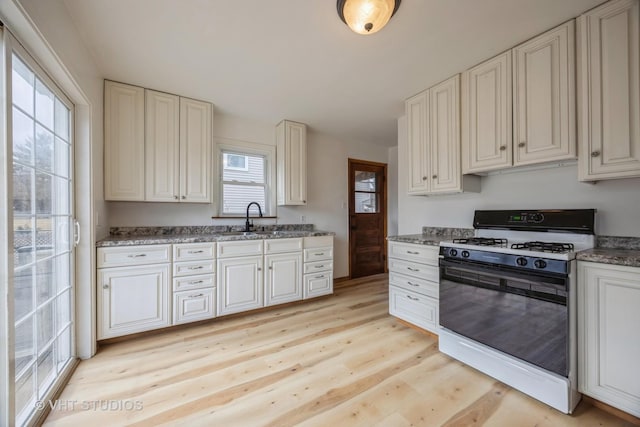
[{"x": 367, "y": 16}]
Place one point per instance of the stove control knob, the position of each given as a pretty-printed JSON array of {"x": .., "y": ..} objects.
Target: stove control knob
[
  {"x": 453, "y": 252},
  {"x": 539, "y": 263},
  {"x": 521, "y": 261},
  {"x": 536, "y": 217},
  {"x": 465, "y": 254}
]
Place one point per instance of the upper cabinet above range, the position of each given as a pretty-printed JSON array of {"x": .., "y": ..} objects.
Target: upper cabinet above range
[
  {"x": 291, "y": 146},
  {"x": 157, "y": 146}
]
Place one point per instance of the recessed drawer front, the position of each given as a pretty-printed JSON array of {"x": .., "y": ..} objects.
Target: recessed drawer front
[
  {"x": 417, "y": 309},
  {"x": 411, "y": 252},
  {"x": 318, "y": 284},
  {"x": 414, "y": 284},
  {"x": 274, "y": 246},
  {"x": 421, "y": 271},
  {"x": 189, "y": 306},
  {"x": 318, "y": 242},
  {"x": 194, "y": 282},
  {"x": 317, "y": 266},
  {"x": 239, "y": 248},
  {"x": 318, "y": 254},
  {"x": 188, "y": 268},
  {"x": 193, "y": 251},
  {"x": 133, "y": 255}
]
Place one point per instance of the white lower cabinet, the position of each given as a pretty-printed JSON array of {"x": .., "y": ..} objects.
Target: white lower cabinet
[
  {"x": 283, "y": 278},
  {"x": 240, "y": 284},
  {"x": 318, "y": 266},
  {"x": 189, "y": 306},
  {"x": 194, "y": 291},
  {"x": 608, "y": 344},
  {"x": 133, "y": 299},
  {"x": 316, "y": 285},
  {"x": 414, "y": 284}
]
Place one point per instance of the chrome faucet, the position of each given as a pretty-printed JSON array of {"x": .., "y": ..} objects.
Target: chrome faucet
[{"x": 247, "y": 224}]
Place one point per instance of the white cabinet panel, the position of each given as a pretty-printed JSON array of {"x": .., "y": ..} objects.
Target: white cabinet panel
[
  {"x": 188, "y": 268},
  {"x": 189, "y": 283},
  {"x": 318, "y": 266},
  {"x": 162, "y": 146},
  {"x": 283, "y": 278},
  {"x": 193, "y": 251},
  {"x": 275, "y": 246},
  {"x": 414, "y": 269},
  {"x": 413, "y": 252},
  {"x": 123, "y": 141},
  {"x": 317, "y": 242},
  {"x": 240, "y": 284},
  {"x": 414, "y": 308},
  {"x": 291, "y": 147},
  {"x": 318, "y": 284},
  {"x": 196, "y": 119},
  {"x": 190, "y": 306},
  {"x": 239, "y": 248},
  {"x": 417, "y": 111},
  {"x": 117, "y": 256},
  {"x": 318, "y": 254},
  {"x": 609, "y": 91}
]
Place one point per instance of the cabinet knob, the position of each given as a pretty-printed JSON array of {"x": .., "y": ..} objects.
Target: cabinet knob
[
  {"x": 503, "y": 147},
  {"x": 434, "y": 176},
  {"x": 424, "y": 178},
  {"x": 183, "y": 197},
  {"x": 176, "y": 197},
  {"x": 105, "y": 286},
  {"x": 270, "y": 268},
  {"x": 522, "y": 144},
  {"x": 259, "y": 269},
  {"x": 595, "y": 153},
  {"x": 304, "y": 201}
]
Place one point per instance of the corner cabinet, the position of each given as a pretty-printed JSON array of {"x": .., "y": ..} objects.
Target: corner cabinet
[
  {"x": 291, "y": 163},
  {"x": 608, "y": 345},
  {"x": 608, "y": 91},
  {"x": 433, "y": 122}
]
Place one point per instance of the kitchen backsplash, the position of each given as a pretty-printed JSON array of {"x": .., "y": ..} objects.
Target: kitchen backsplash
[
  {"x": 448, "y": 232},
  {"x": 618, "y": 242}
]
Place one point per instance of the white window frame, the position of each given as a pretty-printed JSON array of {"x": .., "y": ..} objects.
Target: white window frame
[{"x": 240, "y": 147}]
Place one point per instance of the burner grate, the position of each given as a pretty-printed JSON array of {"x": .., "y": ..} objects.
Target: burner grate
[
  {"x": 482, "y": 241},
  {"x": 544, "y": 246}
]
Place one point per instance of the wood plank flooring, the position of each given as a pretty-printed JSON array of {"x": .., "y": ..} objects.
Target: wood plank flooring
[{"x": 335, "y": 361}]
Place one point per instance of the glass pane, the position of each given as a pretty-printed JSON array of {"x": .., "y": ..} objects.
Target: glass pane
[
  {"x": 25, "y": 393},
  {"x": 366, "y": 203},
  {"x": 22, "y": 190},
  {"x": 44, "y": 237},
  {"x": 45, "y": 285},
  {"x": 25, "y": 348},
  {"x": 62, "y": 238},
  {"x": 62, "y": 120},
  {"x": 365, "y": 181},
  {"x": 22, "y": 86},
  {"x": 23, "y": 243},
  {"x": 63, "y": 276},
  {"x": 23, "y": 132},
  {"x": 63, "y": 349},
  {"x": 44, "y": 149},
  {"x": 64, "y": 314},
  {"x": 46, "y": 371},
  {"x": 62, "y": 158},
  {"x": 44, "y": 325},
  {"x": 44, "y": 193},
  {"x": 237, "y": 197},
  {"x": 253, "y": 173},
  {"x": 44, "y": 105},
  {"x": 61, "y": 204},
  {"x": 23, "y": 293}
]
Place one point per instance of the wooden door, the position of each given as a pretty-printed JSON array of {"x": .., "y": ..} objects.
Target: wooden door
[{"x": 367, "y": 218}]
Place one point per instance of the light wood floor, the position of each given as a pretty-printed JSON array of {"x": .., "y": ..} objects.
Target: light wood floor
[{"x": 336, "y": 361}]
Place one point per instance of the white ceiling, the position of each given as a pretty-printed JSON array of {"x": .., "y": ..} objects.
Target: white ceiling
[{"x": 273, "y": 59}]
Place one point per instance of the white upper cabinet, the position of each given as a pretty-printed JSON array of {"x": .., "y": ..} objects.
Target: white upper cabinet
[
  {"x": 291, "y": 146},
  {"x": 162, "y": 146},
  {"x": 544, "y": 97},
  {"x": 609, "y": 91},
  {"x": 433, "y": 122},
  {"x": 124, "y": 141},
  {"x": 195, "y": 150},
  {"x": 486, "y": 115}
]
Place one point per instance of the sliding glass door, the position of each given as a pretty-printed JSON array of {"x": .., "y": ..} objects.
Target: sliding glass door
[{"x": 43, "y": 229}]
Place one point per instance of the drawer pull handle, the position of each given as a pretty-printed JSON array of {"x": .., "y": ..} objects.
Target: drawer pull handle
[
  {"x": 196, "y": 252},
  {"x": 413, "y": 269},
  {"x": 196, "y": 296},
  {"x": 413, "y": 284},
  {"x": 413, "y": 253},
  {"x": 137, "y": 255},
  {"x": 319, "y": 277},
  {"x": 412, "y": 298},
  {"x": 196, "y": 282},
  {"x": 319, "y": 254},
  {"x": 196, "y": 268},
  {"x": 318, "y": 266}
]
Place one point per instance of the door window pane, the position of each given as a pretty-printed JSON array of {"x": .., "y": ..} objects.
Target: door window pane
[
  {"x": 44, "y": 105},
  {"x": 25, "y": 391},
  {"x": 22, "y": 82},
  {"x": 365, "y": 181},
  {"x": 25, "y": 345},
  {"x": 22, "y": 189},
  {"x": 23, "y": 148},
  {"x": 44, "y": 149},
  {"x": 366, "y": 203},
  {"x": 23, "y": 293}
]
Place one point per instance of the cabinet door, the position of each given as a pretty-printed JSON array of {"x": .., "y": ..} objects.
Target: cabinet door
[
  {"x": 415, "y": 308},
  {"x": 544, "y": 97},
  {"x": 609, "y": 91},
  {"x": 608, "y": 322},
  {"x": 123, "y": 142},
  {"x": 486, "y": 115},
  {"x": 162, "y": 149},
  {"x": 291, "y": 157},
  {"x": 196, "y": 119},
  {"x": 240, "y": 284},
  {"x": 318, "y": 284},
  {"x": 417, "y": 122},
  {"x": 444, "y": 136},
  {"x": 283, "y": 278},
  {"x": 132, "y": 299},
  {"x": 189, "y": 306}
]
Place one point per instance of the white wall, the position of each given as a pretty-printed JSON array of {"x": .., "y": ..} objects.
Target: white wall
[
  {"x": 392, "y": 192},
  {"x": 617, "y": 201}
]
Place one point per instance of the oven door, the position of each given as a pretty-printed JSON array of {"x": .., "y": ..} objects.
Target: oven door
[{"x": 523, "y": 314}]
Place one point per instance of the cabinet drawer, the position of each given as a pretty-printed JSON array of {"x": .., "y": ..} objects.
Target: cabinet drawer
[
  {"x": 318, "y": 242},
  {"x": 414, "y": 284},
  {"x": 318, "y": 254},
  {"x": 417, "y": 309},
  {"x": 274, "y": 246},
  {"x": 421, "y": 271},
  {"x": 318, "y": 284},
  {"x": 193, "y": 251},
  {"x": 188, "y": 268},
  {"x": 194, "y": 282},
  {"x": 410, "y": 252},
  {"x": 239, "y": 248},
  {"x": 133, "y": 255},
  {"x": 317, "y": 266},
  {"x": 189, "y": 306}
]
